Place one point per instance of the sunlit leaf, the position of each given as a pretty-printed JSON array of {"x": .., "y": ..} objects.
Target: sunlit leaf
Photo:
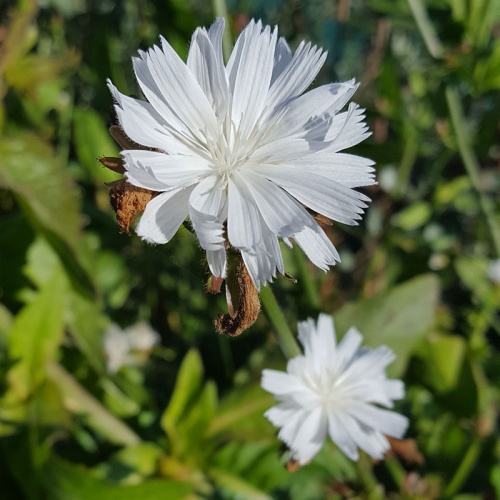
[
  {"x": 398, "y": 319},
  {"x": 444, "y": 357},
  {"x": 187, "y": 387},
  {"x": 36, "y": 334},
  {"x": 92, "y": 141},
  {"x": 64, "y": 481}
]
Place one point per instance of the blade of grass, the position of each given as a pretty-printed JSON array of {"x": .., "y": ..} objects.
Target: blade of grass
[
  {"x": 286, "y": 339},
  {"x": 426, "y": 28},
  {"x": 471, "y": 163}
]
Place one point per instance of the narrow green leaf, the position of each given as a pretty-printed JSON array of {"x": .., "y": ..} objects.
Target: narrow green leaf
[
  {"x": 64, "y": 481},
  {"x": 36, "y": 334},
  {"x": 79, "y": 401},
  {"x": 237, "y": 486},
  {"x": 187, "y": 387},
  {"x": 92, "y": 141}
]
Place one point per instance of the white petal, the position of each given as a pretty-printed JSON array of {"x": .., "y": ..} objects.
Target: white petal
[
  {"x": 283, "y": 215},
  {"x": 321, "y": 194},
  {"x": 181, "y": 90},
  {"x": 297, "y": 75},
  {"x": 366, "y": 438},
  {"x": 217, "y": 262},
  {"x": 143, "y": 124},
  {"x": 324, "y": 344},
  {"x": 279, "y": 383},
  {"x": 250, "y": 76},
  {"x": 318, "y": 248},
  {"x": 385, "y": 421},
  {"x": 346, "y": 169},
  {"x": 163, "y": 215},
  {"x": 309, "y": 436},
  {"x": 206, "y": 204},
  {"x": 347, "y": 129},
  {"x": 216, "y": 33},
  {"x": 280, "y": 414},
  {"x": 297, "y": 365},
  {"x": 347, "y": 348},
  {"x": 307, "y": 330},
  {"x": 290, "y": 428},
  {"x": 341, "y": 437},
  {"x": 319, "y": 343},
  {"x": 208, "y": 68},
  {"x": 282, "y": 58},
  {"x": 155, "y": 96},
  {"x": 243, "y": 221},
  {"x": 159, "y": 171},
  {"x": 320, "y": 103},
  {"x": 371, "y": 363},
  {"x": 265, "y": 259}
]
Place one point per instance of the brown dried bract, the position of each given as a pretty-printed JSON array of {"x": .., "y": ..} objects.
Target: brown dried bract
[
  {"x": 128, "y": 202},
  {"x": 407, "y": 450},
  {"x": 248, "y": 308}
]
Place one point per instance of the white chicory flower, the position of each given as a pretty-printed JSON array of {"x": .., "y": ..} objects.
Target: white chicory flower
[
  {"x": 242, "y": 150},
  {"x": 127, "y": 347},
  {"x": 335, "y": 390}
]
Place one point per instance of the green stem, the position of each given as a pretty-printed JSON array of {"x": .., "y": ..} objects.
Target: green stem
[
  {"x": 471, "y": 164},
  {"x": 426, "y": 28},
  {"x": 464, "y": 469},
  {"x": 78, "y": 400},
  {"x": 410, "y": 153},
  {"x": 220, "y": 10},
  {"x": 396, "y": 471},
  {"x": 286, "y": 339},
  {"x": 307, "y": 280},
  {"x": 368, "y": 480}
]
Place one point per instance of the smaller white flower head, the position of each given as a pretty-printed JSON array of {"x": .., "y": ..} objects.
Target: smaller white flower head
[
  {"x": 243, "y": 149},
  {"x": 336, "y": 390},
  {"x": 142, "y": 337},
  {"x": 494, "y": 271},
  {"x": 126, "y": 347},
  {"x": 116, "y": 348}
]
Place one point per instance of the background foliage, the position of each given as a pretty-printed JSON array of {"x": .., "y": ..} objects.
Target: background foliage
[{"x": 186, "y": 419}]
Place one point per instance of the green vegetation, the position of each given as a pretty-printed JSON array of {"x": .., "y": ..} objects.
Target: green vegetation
[{"x": 186, "y": 420}]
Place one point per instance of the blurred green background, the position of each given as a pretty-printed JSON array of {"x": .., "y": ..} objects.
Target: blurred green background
[{"x": 180, "y": 416}]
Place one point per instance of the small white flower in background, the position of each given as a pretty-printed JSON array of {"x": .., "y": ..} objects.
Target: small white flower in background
[
  {"x": 129, "y": 346},
  {"x": 241, "y": 150},
  {"x": 494, "y": 271},
  {"x": 335, "y": 389}
]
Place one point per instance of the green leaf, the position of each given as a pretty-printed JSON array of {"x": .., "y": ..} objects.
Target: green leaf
[
  {"x": 241, "y": 414},
  {"x": 86, "y": 323},
  {"x": 92, "y": 141},
  {"x": 413, "y": 217},
  {"x": 80, "y": 402},
  {"x": 237, "y": 486},
  {"x": 64, "y": 481},
  {"x": 36, "y": 334},
  {"x": 131, "y": 464},
  {"x": 444, "y": 358},
  {"x": 473, "y": 272},
  {"x": 189, "y": 438},
  {"x": 30, "y": 169},
  {"x": 186, "y": 390},
  {"x": 398, "y": 319},
  {"x": 48, "y": 198}
]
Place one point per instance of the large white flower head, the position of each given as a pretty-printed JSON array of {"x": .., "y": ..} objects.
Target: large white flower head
[
  {"x": 335, "y": 389},
  {"x": 241, "y": 150}
]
